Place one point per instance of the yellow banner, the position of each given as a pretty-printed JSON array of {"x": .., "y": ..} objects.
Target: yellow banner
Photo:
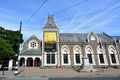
[{"x": 50, "y": 36}]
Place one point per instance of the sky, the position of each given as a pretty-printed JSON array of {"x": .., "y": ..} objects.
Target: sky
[{"x": 71, "y": 16}]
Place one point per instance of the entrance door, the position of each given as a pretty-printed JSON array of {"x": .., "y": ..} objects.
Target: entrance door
[
  {"x": 37, "y": 62},
  {"x": 22, "y": 61},
  {"x": 29, "y": 62}
]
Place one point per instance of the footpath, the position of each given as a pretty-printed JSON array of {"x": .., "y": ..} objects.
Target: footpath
[{"x": 61, "y": 72}]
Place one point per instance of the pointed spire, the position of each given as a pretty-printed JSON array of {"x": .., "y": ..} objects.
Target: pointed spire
[{"x": 50, "y": 23}]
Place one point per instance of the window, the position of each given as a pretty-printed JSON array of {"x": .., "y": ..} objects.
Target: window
[
  {"x": 101, "y": 58},
  {"x": 33, "y": 44},
  {"x": 113, "y": 58},
  {"x": 90, "y": 58},
  {"x": 65, "y": 57},
  {"x": 92, "y": 37},
  {"x": 50, "y": 58},
  {"x": 77, "y": 57}
]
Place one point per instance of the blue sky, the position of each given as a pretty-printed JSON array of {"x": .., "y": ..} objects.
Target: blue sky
[{"x": 88, "y": 15}]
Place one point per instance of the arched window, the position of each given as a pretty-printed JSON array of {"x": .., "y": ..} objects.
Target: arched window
[
  {"x": 77, "y": 55},
  {"x": 65, "y": 55},
  {"x": 102, "y": 59},
  {"x": 113, "y": 59},
  {"x": 89, "y": 53},
  {"x": 113, "y": 55}
]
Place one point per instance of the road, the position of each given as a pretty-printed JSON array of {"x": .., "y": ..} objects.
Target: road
[{"x": 59, "y": 78}]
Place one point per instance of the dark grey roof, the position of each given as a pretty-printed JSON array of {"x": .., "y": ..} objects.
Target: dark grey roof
[
  {"x": 50, "y": 23},
  {"x": 104, "y": 37},
  {"x": 73, "y": 37},
  {"x": 82, "y": 37},
  {"x": 32, "y": 52},
  {"x": 117, "y": 37}
]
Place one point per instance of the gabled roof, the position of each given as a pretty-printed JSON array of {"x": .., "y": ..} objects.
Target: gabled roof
[
  {"x": 50, "y": 23},
  {"x": 32, "y": 37},
  {"x": 82, "y": 37},
  {"x": 32, "y": 52}
]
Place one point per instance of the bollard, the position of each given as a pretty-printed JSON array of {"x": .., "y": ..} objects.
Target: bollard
[
  {"x": 16, "y": 69},
  {"x": 3, "y": 72}
]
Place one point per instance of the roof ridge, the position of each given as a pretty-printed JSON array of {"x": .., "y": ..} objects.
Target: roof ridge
[{"x": 107, "y": 35}]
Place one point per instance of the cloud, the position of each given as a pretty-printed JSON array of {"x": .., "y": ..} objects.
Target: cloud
[{"x": 96, "y": 17}]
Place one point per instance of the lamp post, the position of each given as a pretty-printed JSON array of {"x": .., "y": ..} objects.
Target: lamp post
[{"x": 19, "y": 38}]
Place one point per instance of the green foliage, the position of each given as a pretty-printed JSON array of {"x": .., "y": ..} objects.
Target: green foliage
[
  {"x": 6, "y": 51},
  {"x": 8, "y": 43},
  {"x": 12, "y": 38}
]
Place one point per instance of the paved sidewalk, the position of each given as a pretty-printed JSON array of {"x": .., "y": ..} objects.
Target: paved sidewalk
[{"x": 61, "y": 72}]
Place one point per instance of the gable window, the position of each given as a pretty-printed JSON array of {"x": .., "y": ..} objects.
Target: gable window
[
  {"x": 33, "y": 44},
  {"x": 92, "y": 37}
]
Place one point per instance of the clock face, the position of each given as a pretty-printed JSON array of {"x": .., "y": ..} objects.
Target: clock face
[{"x": 50, "y": 37}]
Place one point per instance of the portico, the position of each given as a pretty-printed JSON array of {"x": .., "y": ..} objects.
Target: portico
[{"x": 30, "y": 58}]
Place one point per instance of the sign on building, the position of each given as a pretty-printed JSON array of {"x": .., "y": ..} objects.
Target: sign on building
[{"x": 50, "y": 41}]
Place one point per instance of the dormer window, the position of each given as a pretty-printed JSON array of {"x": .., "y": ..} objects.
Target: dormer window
[{"x": 92, "y": 37}]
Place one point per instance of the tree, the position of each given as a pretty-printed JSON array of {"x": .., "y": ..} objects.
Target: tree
[
  {"x": 6, "y": 51},
  {"x": 8, "y": 44},
  {"x": 11, "y": 38}
]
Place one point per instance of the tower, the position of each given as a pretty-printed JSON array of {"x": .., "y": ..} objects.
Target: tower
[{"x": 50, "y": 45}]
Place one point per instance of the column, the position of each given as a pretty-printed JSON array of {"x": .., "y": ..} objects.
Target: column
[
  {"x": 33, "y": 63},
  {"x": 42, "y": 60},
  {"x": 58, "y": 56},
  {"x": 25, "y": 62}
]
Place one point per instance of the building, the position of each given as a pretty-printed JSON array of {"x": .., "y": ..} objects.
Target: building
[{"x": 67, "y": 49}]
